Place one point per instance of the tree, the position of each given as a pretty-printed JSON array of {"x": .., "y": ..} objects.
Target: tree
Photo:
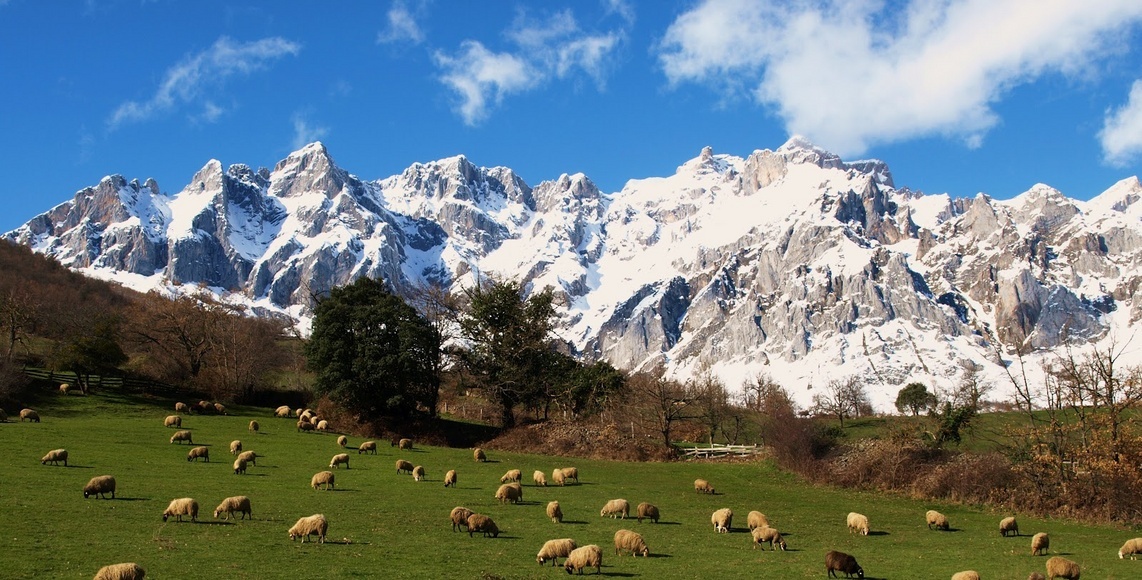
[
  {"x": 95, "y": 352},
  {"x": 661, "y": 403},
  {"x": 17, "y": 315},
  {"x": 712, "y": 401},
  {"x": 373, "y": 353},
  {"x": 842, "y": 398},
  {"x": 916, "y": 398}
]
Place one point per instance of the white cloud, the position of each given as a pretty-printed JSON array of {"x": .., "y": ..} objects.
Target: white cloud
[
  {"x": 479, "y": 75},
  {"x": 1121, "y": 134},
  {"x": 304, "y": 133},
  {"x": 402, "y": 25},
  {"x": 620, "y": 7},
  {"x": 851, "y": 74},
  {"x": 184, "y": 82}
]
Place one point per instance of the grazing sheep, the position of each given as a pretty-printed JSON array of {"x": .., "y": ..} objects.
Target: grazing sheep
[
  {"x": 703, "y": 486},
  {"x": 648, "y": 511},
  {"x": 511, "y": 475},
  {"x": 254, "y": 426},
  {"x": 585, "y": 557},
  {"x": 181, "y": 436},
  {"x": 756, "y": 519},
  {"x": 858, "y": 523},
  {"x": 1060, "y": 567},
  {"x": 478, "y": 455},
  {"x": 539, "y": 478},
  {"x": 937, "y": 519},
  {"x": 323, "y": 425},
  {"x": 555, "y": 512},
  {"x": 366, "y": 447},
  {"x": 183, "y": 506},
  {"x": 231, "y": 505},
  {"x": 303, "y": 425},
  {"x": 1131, "y": 548},
  {"x": 631, "y": 541},
  {"x": 841, "y": 562},
  {"x": 418, "y": 473},
  {"x": 124, "y": 571},
  {"x": 459, "y": 517},
  {"x": 966, "y": 575},
  {"x": 483, "y": 524},
  {"x": 404, "y": 443},
  {"x": 306, "y": 415},
  {"x": 723, "y": 520},
  {"x": 1008, "y": 524},
  {"x": 403, "y": 466},
  {"x": 1036, "y": 576},
  {"x": 1039, "y": 544},
  {"x": 616, "y": 508},
  {"x": 342, "y": 441},
  {"x": 322, "y": 478},
  {"x": 55, "y": 456},
  {"x": 204, "y": 407},
  {"x": 554, "y": 549},
  {"x": 219, "y": 408},
  {"x": 172, "y": 421},
  {"x": 100, "y": 484},
  {"x": 571, "y": 473},
  {"x": 557, "y": 477},
  {"x": 240, "y": 466},
  {"x": 767, "y": 534},
  {"x": 309, "y": 525},
  {"x": 181, "y": 408},
  {"x": 450, "y": 478},
  {"x": 29, "y": 415},
  {"x": 235, "y": 447},
  {"x": 297, "y": 412},
  {"x": 250, "y": 457},
  {"x": 64, "y": 388},
  {"x": 198, "y": 452},
  {"x": 510, "y": 492},
  {"x": 282, "y": 411},
  {"x": 338, "y": 460}
]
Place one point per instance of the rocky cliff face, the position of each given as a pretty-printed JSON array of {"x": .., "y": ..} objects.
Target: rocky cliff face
[{"x": 790, "y": 262}]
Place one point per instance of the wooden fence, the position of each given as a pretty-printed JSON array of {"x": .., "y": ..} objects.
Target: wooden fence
[
  {"x": 118, "y": 383},
  {"x": 715, "y": 451}
]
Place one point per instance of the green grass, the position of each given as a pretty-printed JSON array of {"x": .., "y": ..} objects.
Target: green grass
[{"x": 386, "y": 525}]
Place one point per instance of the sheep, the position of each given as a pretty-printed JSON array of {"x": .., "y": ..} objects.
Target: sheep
[
  {"x": 367, "y": 446},
  {"x": 1131, "y": 548},
  {"x": 539, "y": 478},
  {"x": 555, "y": 512},
  {"x": 479, "y": 455},
  {"x": 254, "y": 426},
  {"x": 756, "y": 519},
  {"x": 124, "y": 571},
  {"x": 181, "y": 436},
  {"x": 585, "y": 557},
  {"x": 511, "y": 475},
  {"x": 304, "y": 426},
  {"x": 342, "y": 441},
  {"x": 338, "y": 460},
  {"x": 197, "y": 452},
  {"x": 240, "y": 466},
  {"x": 1040, "y": 543},
  {"x": 64, "y": 388},
  {"x": 404, "y": 444},
  {"x": 510, "y": 492},
  {"x": 181, "y": 408},
  {"x": 648, "y": 511},
  {"x": 483, "y": 524},
  {"x": 937, "y": 519},
  {"x": 555, "y": 549},
  {"x": 322, "y": 478},
  {"x": 418, "y": 473},
  {"x": 616, "y": 508},
  {"x": 858, "y": 523},
  {"x": 250, "y": 457},
  {"x": 1008, "y": 524},
  {"x": 966, "y": 575},
  {"x": 100, "y": 484},
  {"x": 571, "y": 473},
  {"x": 459, "y": 517},
  {"x": 703, "y": 486},
  {"x": 297, "y": 412},
  {"x": 219, "y": 408},
  {"x": 450, "y": 478},
  {"x": 631, "y": 541},
  {"x": 309, "y": 525},
  {"x": 204, "y": 407},
  {"x": 1036, "y": 576},
  {"x": 231, "y": 505},
  {"x": 1060, "y": 567},
  {"x": 403, "y": 465},
  {"x": 767, "y": 534},
  {"x": 29, "y": 415},
  {"x": 172, "y": 421},
  {"x": 55, "y": 456},
  {"x": 841, "y": 562},
  {"x": 723, "y": 520},
  {"x": 323, "y": 425},
  {"x": 282, "y": 411},
  {"x": 235, "y": 447},
  {"x": 183, "y": 506},
  {"x": 558, "y": 477}
]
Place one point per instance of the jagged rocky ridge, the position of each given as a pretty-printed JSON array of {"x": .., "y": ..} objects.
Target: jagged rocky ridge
[{"x": 789, "y": 262}]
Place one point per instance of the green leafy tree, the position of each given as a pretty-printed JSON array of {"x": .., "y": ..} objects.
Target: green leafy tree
[
  {"x": 915, "y": 397},
  {"x": 373, "y": 353}
]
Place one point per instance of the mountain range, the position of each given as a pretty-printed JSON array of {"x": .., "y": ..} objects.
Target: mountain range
[{"x": 790, "y": 262}]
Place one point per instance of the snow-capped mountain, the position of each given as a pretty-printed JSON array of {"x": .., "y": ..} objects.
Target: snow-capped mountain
[{"x": 791, "y": 262}]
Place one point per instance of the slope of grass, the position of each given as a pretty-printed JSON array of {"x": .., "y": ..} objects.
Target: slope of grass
[{"x": 385, "y": 525}]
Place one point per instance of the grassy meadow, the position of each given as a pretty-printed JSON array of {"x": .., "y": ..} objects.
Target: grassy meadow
[{"x": 382, "y": 524}]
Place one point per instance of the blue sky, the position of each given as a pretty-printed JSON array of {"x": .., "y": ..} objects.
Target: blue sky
[{"x": 958, "y": 96}]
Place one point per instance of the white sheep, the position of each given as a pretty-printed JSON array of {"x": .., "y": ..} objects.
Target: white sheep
[
  {"x": 723, "y": 520},
  {"x": 404, "y": 444},
  {"x": 100, "y": 484},
  {"x": 1040, "y": 543},
  {"x": 1131, "y": 548},
  {"x": 630, "y": 541},
  {"x": 366, "y": 447},
  {"x": 240, "y": 465},
  {"x": 282, "y": 411},
  {"x": 29, "y": 415},
  {"x": 418, "y": 473},
  {"x": 309, "y": 525},
  {"x": 403, "y": 466},
  {"x": 64, "y": 388},
  {"x": 322, "y": 478},
  {"x": 648, "y": 511},
  {"x": 343, "y": 441},
  {"x": 483, "y": 524},
  {"x": 183, "y": 506},
  {"x": 767, "y": 534},
  {"x": 181, "y": 436},
  {"x": 479, "y": 455},
  {"x": 571, "y": 473},
  {"x": 510, "y": 492},
  {"x": 323, "y": 425},
  {"x": 511, "y": 475},
  {"x": 616, "y": 508},
  {"x": 231, "y": 505},
  {"x": 1060, "y": 567},
  {"x": 1008, "y": 524},
  {"x": 586, "y": 557},
  {"x": 181, "y": 408},
  {"x": 55, "y": 456},
  {"x": 858, "y": 523},
  {"x": 450, "y": 478},
  {"x": 756, "y": 519},
  {"x": 539, "y": 478},
  {"x": 554, "y": 549},
  {"x": 935, "y": 518},
  {"x": 235, "y": 447},
  {"x": 303, "y": 425},
  {"x": 966, "y": 575},
  {"x": 254, "y": 426},
  {"x": 172, "y": 421},
  {"x": 250, "y": 457},
  {"x": 124, "y": 571},
  {"x": 219, "y": 408},
  {"x": 555, "y": 512},
  {"x": 338, "y": 460},
  {"x": 558, "y": 477},
  {"x": 703, "y": 486},
  {"x": 198, "y": 452},
  {"x": 459, "y": 517}
]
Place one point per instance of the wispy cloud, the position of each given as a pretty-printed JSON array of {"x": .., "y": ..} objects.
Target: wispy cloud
[
  {"x": 553, "y": 47},
  {"x": 853, "y": 74},
  {"x": 304, "y": 133},
  {"x": 620, "y": 7},
  {"x": 184, "y": 82},
  {"x": 1121, "y": 134},
  {"x": 402, "y": 24}
]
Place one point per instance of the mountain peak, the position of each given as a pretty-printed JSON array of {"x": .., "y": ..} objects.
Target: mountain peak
[{"x": 799, "y": 143}]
